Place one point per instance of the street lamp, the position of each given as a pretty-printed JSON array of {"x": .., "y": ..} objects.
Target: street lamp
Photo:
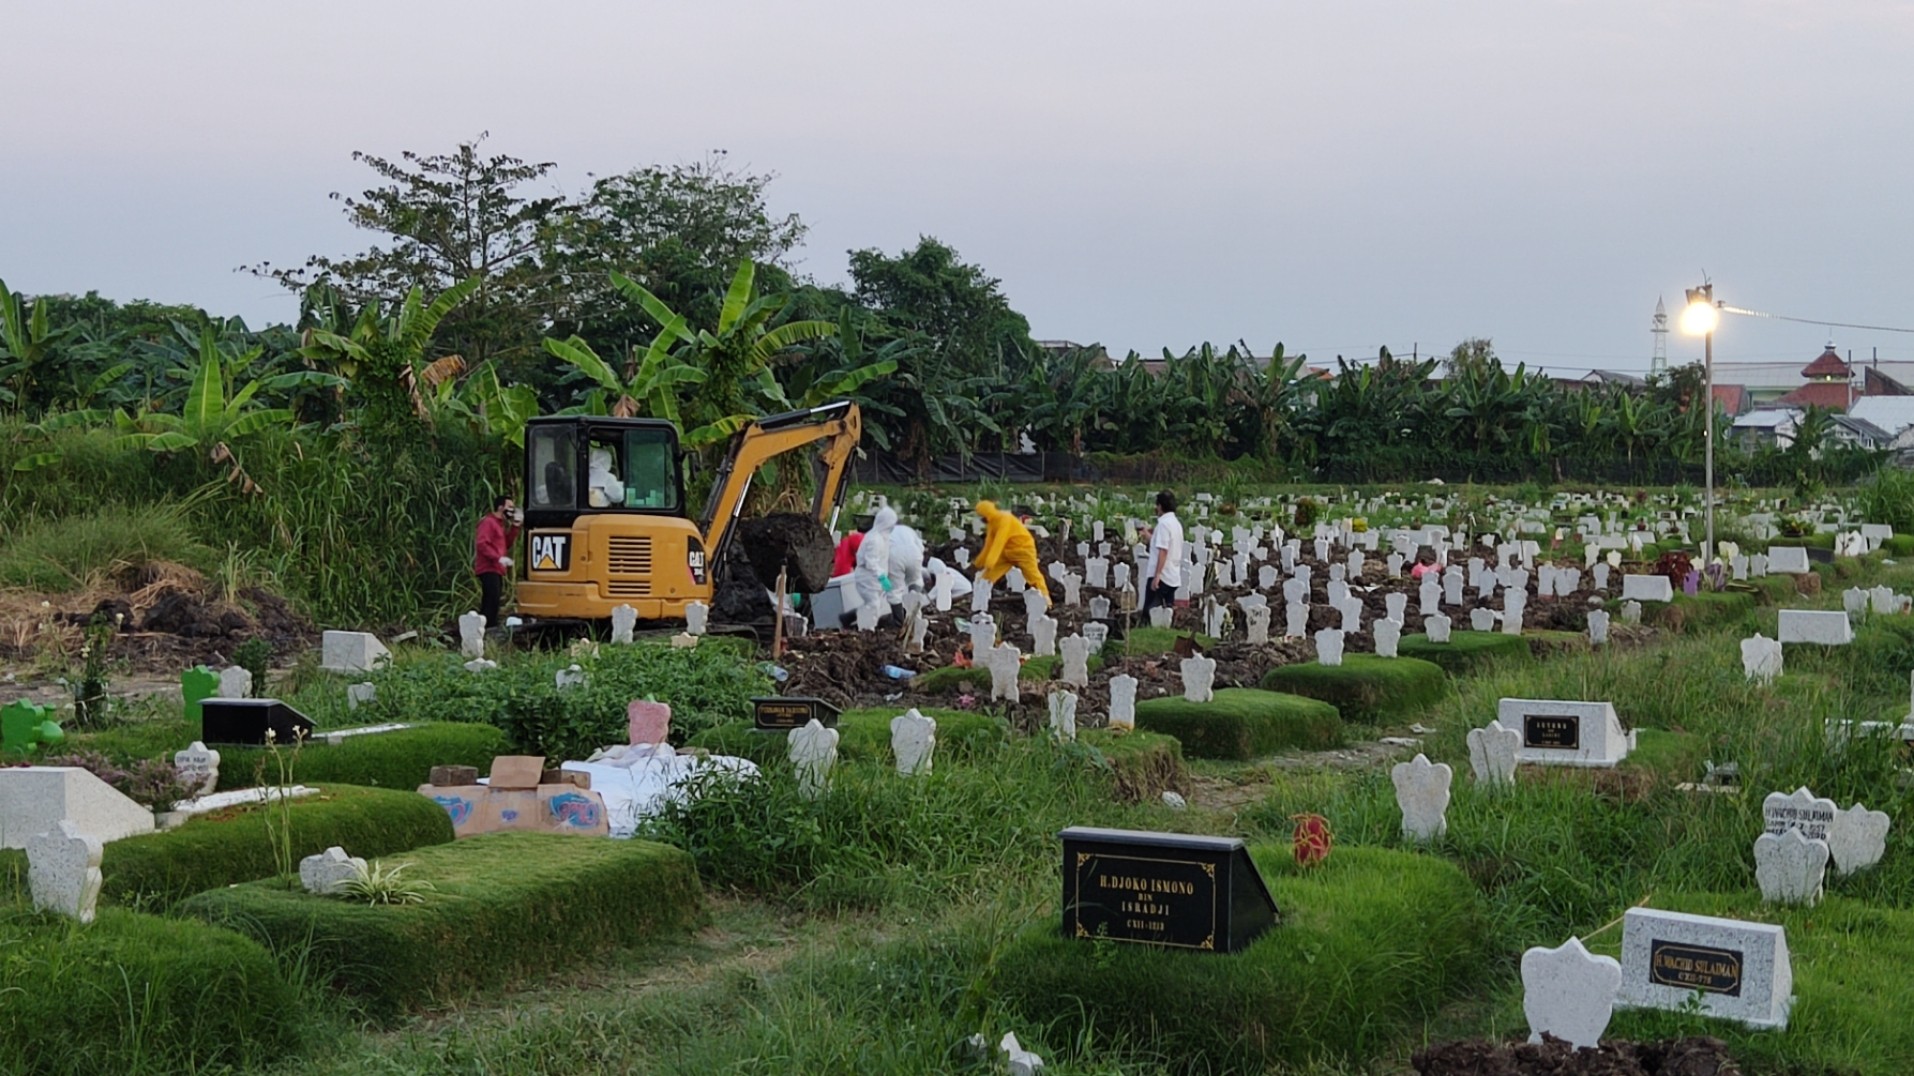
[{"x": 1699, "y": 318}]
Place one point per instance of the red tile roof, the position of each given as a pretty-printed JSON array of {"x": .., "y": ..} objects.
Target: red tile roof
[
  {"x": 1731, "y": 399},
  {"x": 1826, "y": 365},
  {"x": 1832, "y": 395}
]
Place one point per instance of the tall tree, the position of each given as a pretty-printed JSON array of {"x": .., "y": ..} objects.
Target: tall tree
[
  {"x": 960, "y": 310},
  {"x": 450, "y": 218},
  {"x": 679, "y": 230}
]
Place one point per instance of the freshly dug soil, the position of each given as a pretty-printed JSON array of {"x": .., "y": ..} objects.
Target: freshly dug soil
[
  {"x": 738, "y": 598},
  {"x": 1695, "y": 1056},
  {"x": 786, "y": 541}
]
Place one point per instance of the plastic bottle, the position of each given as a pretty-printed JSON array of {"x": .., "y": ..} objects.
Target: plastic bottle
[{"x": 897, "y": 672}]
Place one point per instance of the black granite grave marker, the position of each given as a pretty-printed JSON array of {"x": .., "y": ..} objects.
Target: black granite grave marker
[
  {"x": 1552, "y": 731},
  {"x": 1165, "y": 889},
  {"x": 778, "y": 714},
  {"x": 245, "y": 721}
]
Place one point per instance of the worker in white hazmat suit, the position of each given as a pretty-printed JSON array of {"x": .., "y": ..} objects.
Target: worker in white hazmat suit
[{"x": 872, "y": 576}]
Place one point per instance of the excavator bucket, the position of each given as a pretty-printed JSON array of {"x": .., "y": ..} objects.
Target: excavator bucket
[{"x": 795, "y": 544}]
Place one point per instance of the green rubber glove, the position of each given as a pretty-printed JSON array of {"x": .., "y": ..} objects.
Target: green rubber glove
[{"x": 885, "y": 582}]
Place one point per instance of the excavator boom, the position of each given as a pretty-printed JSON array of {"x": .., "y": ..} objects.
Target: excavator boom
[{"x": 840, "y": 424}]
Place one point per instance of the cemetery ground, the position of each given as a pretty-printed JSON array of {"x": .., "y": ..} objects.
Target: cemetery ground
[{"x": 875, "y": 927}]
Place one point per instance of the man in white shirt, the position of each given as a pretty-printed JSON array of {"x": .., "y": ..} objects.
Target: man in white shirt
[{"x": 1166, "y": 555}]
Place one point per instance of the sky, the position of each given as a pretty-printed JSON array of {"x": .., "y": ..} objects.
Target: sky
[{"x": 1334, "y": 176}]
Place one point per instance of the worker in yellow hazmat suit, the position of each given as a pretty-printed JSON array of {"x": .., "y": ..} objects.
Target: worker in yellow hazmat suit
[{"x": 1007, "y": 545}]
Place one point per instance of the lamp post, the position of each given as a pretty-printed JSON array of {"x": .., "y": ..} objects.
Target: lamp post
[{"x": 1699, "y": 318}]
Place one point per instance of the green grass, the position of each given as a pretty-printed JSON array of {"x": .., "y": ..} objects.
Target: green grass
[
  {"x": 401, "y": 759},
  {"x": 865, "y": 735},
  {"x": 952, "y": 680},
  {"x": 503, "y": 906},
  {"x": 1848, "y": 956},
  {"x": 1365, "y": 687},
  {"x": 1150, "y": 640},
  {"x": 137, "y": 993},
  {"x": 1466, "y": 650},
  {"x": 63, "y": 554},
  {"x": 1143, "y": 765},
  {"x": 156, "y": 870},
  {"x": 1242, "y": 723},
  {"x": 1705, "y": 609},
  {"x": 1371, "y": 945}
]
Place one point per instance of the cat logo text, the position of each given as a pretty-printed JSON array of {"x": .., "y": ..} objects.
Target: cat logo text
[{"x": 552, "y": 551}]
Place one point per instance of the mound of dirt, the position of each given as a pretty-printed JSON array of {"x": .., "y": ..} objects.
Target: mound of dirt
[
  {"x": 1695, "y": 1056},
  {"x": 795, "y": 544}
]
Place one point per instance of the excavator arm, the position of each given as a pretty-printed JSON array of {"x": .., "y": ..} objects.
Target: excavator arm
[{"x": 840, "y": 424}]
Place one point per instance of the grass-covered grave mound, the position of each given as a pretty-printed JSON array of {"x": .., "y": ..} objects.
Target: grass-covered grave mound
[
  {"x": 1371, "y": 943},
  {"x": 1242, "y": 723},
  {"x": 400, "y": 759},
  {"x": 863, "y": 735},
  {"x": 132, "y": 992},
  {"x": 1365, "y": 687},
  {"x": 1466, "y": 650},
  {"x": 154, "y": 870},
  {"x": 502, "y": 906}
]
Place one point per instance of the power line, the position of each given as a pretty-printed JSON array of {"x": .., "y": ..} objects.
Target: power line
[{"x": 1812, "y": 321}]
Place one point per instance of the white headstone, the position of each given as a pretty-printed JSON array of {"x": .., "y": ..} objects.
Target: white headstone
[
  {"x": 1481, "y": 619},
  {"x": 63, "y": 871},
  {"x": 1557, "y": 732},
  {"x": 352, "y": 651},
  {"x": 1801, "y": 809},
  {"x": 327, "y": 872},
  {"x": 1601, "y": 576},
  {"x": 1790, "y": 867},
  {"x": 235, "y": 682},
  {"x": 1296, "y": 619},
  {"x": 913, "y": 740},
  {"x": 1199, "y": 676},
  {"x": 813, "y": 751},
  {"x": 1160, "y": 616},
  {"x": 624, "y": 619},
  {"x": 1858, "y": 839},
  {"x": 1122, "y": 701},
  {"x": 1329, "y": 647},
  {"x": 697, "y": 614},
  {"x": 1003, "y": 663},
  {"x": 1076, "y": 661},
  {"x": 1437, "y": 628},
  {"x": 358, "y": 695},
  {"x": 1492, "y": 752},
  {"x": 570, "y": 677},
  {"x": 1569, "y": 993},
  {"x": 1631, "y": 612},
  {"x": 1647, "y": 588},
  {"x": 1788, "y": 560},
  {"x": 1388, "y": 634},
  {"x": 983, "y": 633},
  {"x": 1063, "y": 716},
  {"x": 1817, "y": 626},
  {"x": 198, "y": 766},
  {"x": 471, "y": 635},
  {"x": 1597, "y": 627},
  {"x": 1043, "y": 634},
  {"x": 1034, "y": 605},
  {"x": 1514, "y": 602},
  {"x": 1730, "y": 969},
  {"x": 1761, "y": 659},
  {"x": 1422, "y": 791},
  {"x": 1256, "y": 624},
  {"x": 36, "y": 799},
  {"x": 980, "y": 595}
]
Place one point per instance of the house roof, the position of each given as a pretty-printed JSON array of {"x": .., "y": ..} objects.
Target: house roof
[
  {"x": 1890, "y": 413},
  {"x": 1832, "y": 395},
  {"x": 1768, "y": 418},
  {"x": 1732, "y": 399},
  {"x": 1616, "y": 377},
  {"x": 1826, "y": 366},
  {"x": 1862, "y": 427}
]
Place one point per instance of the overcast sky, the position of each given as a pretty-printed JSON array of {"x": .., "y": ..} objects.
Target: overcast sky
[{"x": 1333, "y": 175}]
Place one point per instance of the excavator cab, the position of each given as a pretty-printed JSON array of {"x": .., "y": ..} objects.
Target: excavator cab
[{"x": 606, "y": 523}]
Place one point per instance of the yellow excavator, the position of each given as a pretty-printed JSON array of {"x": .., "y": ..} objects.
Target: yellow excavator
[{"x": 606, "y": 522}]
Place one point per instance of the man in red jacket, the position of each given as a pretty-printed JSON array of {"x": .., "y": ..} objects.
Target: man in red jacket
[{"x": 496, "y": 531}]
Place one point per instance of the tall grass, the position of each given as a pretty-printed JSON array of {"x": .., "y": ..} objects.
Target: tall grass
[{"x": 64, "y": 553}]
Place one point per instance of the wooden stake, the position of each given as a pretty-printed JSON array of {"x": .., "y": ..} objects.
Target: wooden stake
[{"x": 777, "y": 628}]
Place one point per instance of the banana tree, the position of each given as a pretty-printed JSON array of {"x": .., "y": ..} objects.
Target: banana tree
[
  {"x": 382, "y": 359},
  {"x": 736, "y": 357},
  {"x": 218, "y": 407},
  {"x": 26, "y": 345},
  {"x": 650, "y": 385}
]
